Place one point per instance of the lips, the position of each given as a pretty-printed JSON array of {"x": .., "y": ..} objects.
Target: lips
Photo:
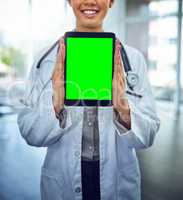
[{"x": 90, "y": 12}]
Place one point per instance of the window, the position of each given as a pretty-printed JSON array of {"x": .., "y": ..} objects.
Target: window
[
  {"x": 26, "y": 27},
  {"x": 156, "y": 26}
]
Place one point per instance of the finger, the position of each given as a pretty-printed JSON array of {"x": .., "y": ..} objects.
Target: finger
[
  {"x": 118, "y": 42},
  {"x": 116, "y": 58},
  {"x": 115, "y": 82},
  {"x": 58, "y": 72},
  {"x": 118, "y": 53},
  {"x": 61, "y": 57},
  {"x": 120, "y": 71},
  {"x": 114, "y": 94},
  {"x": 119, "y": 63},
  {"x": 121, "y": 81},
  {"x": 62, "y": 48},
  {"x": 59, "y": 54},
  {"x": 122, "y": 65}
]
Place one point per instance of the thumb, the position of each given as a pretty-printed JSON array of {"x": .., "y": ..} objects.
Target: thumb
[{"x": 62, "y": 50}]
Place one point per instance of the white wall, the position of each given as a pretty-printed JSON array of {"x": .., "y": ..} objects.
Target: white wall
[{"x": 116, "y": 18}]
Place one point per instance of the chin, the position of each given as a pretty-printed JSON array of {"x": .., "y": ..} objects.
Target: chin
[{"x": 91, "y": 25}]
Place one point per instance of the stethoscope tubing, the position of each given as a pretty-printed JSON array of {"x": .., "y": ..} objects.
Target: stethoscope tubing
[{"x": 128, "y": 70}]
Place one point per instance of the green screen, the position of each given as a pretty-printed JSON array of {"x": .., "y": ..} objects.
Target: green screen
[{"x": 89, "y": 68}]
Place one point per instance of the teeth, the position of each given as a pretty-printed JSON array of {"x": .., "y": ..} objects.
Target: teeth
[{"x": 89, "y": 12}]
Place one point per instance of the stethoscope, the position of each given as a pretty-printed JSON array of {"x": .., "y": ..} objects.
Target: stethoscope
[{"x": 132, "y": 78}]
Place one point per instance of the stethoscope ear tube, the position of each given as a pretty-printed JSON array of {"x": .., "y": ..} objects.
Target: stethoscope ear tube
[
  {"x": 125, "y": 59},
  {"x": 123, "y": 54},
  {"x": 132, "y": 78},
  {"x": 47, "y": 53}
]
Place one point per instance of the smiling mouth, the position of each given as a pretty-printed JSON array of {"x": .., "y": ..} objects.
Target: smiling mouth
[{"x": 90, "y": 13}]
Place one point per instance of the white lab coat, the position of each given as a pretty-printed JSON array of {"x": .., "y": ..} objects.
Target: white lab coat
[{"x": 61, "y": 171}]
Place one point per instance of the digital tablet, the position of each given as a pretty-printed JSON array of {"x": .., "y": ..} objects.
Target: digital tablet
[{"x": 88, "y": 71}]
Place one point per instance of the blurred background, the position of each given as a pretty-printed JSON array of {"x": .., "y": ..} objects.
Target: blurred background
[{"x": 152, "y": 26}]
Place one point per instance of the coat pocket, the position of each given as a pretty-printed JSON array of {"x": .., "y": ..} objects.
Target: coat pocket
[
  {"x": 129, "y": 183},
  {"x": 51, "y": 185}
]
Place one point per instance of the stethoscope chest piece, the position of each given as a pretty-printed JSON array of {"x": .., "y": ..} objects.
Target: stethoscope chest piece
[{"x": 132, "y": 79}]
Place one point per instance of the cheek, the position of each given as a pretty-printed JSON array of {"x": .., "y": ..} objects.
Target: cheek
[
  {"x": 75, "y": 6},
  {"x": 105, "y": 7},
  {"x": 76, "y": 12}
]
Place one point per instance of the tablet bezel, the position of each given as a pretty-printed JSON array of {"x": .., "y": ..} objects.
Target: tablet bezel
[{"x": 87, "y": 102}]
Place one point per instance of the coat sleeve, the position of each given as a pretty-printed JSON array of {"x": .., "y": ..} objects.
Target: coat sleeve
[
  {"x": 144, "y": 121},
  {"x": 37, "y": 122}
]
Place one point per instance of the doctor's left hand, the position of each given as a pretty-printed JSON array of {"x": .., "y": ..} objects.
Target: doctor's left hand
[
  {"x": 58, "y": 79},
  {"x": 120, "y": 101}
]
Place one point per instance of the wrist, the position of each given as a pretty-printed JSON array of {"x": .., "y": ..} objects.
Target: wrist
[
  {"x": 123, "y": 106},
  {"x": 57, "y": 106},
  {"x": 123, "y": 113}
]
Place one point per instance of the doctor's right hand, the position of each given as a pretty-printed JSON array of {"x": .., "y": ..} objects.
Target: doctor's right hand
[{"x": 58, "y": 79}]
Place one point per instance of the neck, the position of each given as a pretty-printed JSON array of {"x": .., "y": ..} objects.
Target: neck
[{"x": 88, "y": 29}]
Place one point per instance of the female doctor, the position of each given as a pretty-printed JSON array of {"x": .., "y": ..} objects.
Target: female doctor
[{"x": 91, "y": 151}]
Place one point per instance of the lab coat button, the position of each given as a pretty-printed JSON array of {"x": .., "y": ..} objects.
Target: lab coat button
[
  {"x": 90, "y": 148},
  {"x": 78, "y": 190},
  {"x": 89, "y": 123}
]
